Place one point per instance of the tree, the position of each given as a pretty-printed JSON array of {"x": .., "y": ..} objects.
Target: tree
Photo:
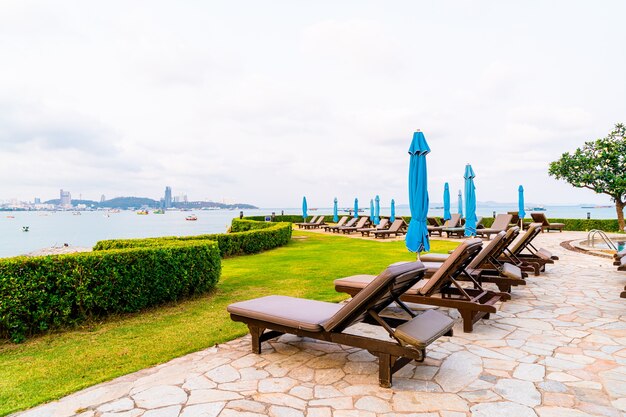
[{"x": 600, "y": 166}]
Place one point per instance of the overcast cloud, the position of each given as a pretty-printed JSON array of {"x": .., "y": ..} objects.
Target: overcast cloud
[{"x": 263, "y": 102}]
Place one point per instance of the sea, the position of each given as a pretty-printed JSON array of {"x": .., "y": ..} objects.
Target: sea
[{"x": 54, "y": 229}]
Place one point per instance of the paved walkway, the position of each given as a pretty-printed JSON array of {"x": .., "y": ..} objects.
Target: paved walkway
[{"x": 557, "y": 349}]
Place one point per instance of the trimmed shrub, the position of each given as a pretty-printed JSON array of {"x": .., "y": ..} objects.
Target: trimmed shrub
[
  {"x": 246, "y": 237},
  {"x": 47, "y": 292}
]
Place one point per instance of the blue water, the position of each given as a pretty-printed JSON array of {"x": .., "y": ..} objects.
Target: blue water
[{"x": 48, "y": 229}]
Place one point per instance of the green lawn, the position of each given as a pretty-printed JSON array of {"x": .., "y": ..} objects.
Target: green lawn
[{"x": 54, "y": 365}]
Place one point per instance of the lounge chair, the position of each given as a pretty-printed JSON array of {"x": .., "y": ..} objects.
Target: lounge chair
[
  {"x": 526, "y": 256},
  {"x": 340, "y": 223},
  {"x": 500, "y": 224},
  {"x": 453, "y": 221},
  {"x": 302, "y": 224},
  {"x": 443, "y": 288},
  {"x": 316, "y": 224},
  {"x": 618, "y": 257},
  {"x": 398, "y": 227},
  {"x": 460, "y": 230},
  {"x": 363, "y": 221},
  {"x": 349, "y": 223},
  {"x": 381, "y": 226},
  {"x": 545, "y": 224},
  {"x": 487, "y": 267},
  {"x": 270, "y": 317}
]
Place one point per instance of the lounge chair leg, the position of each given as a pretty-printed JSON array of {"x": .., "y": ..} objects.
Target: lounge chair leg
[
  {"x": 255, "y": 333},
  {"x": 468, "y": 320},
  {"x": 504, "y": 287},
  {"x": 384, "y": 370}
]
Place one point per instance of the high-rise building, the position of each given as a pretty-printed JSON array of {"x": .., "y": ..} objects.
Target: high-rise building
[
  {"x": 66, "y": 198},
  {"x": 37, "y": 200},
  {"x": 168, "y": 197},
  {"x": 102, "y": 198}
]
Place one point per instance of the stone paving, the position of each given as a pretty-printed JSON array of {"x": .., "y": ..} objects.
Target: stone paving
[{"x": 557, "y": 349}]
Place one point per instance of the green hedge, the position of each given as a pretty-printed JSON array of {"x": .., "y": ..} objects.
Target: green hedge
[
  {"x": 246, "y": 237},
  {"x": 47, "y": 292}
]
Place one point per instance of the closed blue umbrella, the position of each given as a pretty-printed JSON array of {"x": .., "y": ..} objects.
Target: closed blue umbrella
[
  {"x": 335, "y": 215},
  {"x": 520, "y": 204},
  {"x": 417, "y": 235},
  {"x": 377, "y": 210},
  {"x": 304, "y": 215},
  {"x": 460, "y": 204},
  {"x": 356, "y": 207},
  {"x": 470, "y": 202},
  {"x": 446, "y": 202},
  {"x": 372, "y": 217},
  {"x": 393, "y": 211}
]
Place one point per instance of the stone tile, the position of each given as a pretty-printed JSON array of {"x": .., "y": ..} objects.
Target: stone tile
[
  {"x": 530, "y": 372},
  {"x": 522, "y": 392},
  {"x": 123, "y": 404},
  {"x": 278, "y": 411},
  {"x": 424, "y": 401},
  {"x": 373, "y": 404},
  {"x": 211, "y": 395},
  {"x": 203, "y": 410},
  {"x": 502, "y": 409},
  {"x": 171, "y": 411},
  {"x": 160, "y": 397},
  {"x": 560, "y": 412},
  {"x": 458, "y": 370}
]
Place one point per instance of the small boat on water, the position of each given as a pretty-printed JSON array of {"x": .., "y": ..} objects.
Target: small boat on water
[
  {"x": 143, "y": 212},
  {"x": 192, "y": 217},
  {"x": 24, "y": 228},
  {"x": 595, "y": 207},
  {"x": 76, "y": 213},
  {"x": 158, "y": 211},
  {"x": 536, "y": 208},
  {"x": 10, "y": 217}
]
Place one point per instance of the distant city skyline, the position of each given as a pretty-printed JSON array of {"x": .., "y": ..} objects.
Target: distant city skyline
[{"x": 317, "y": 99}]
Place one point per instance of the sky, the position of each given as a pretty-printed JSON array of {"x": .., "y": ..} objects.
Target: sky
[{"x": 264, "y": 102}]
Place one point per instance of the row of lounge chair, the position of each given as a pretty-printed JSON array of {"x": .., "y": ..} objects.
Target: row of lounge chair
[
  {"x": 434, "y": 280},
  {"x": 363, "y": 225},
  {"x": 502, "y": 222}
]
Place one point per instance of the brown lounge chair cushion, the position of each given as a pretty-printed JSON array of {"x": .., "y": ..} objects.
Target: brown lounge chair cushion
[
  {"x": 298, "y": 313},
  {"x": 424, "y": 329},
  {"x": 361, "y": 281}
]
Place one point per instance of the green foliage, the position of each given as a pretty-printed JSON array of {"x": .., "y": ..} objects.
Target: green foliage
[
  {"x": 599, "y": 165},
  {"x": 47, "y": 292},
  {"x": 607, "y": 225},
  {"x": 246, "y": 237}
]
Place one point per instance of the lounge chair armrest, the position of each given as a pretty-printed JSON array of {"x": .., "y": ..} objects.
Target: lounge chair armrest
[
  {"x": 511, "y": 271},
  {"x": 424, "y": 329}
]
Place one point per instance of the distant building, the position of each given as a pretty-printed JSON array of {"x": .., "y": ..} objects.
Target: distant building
[
  {"x": 176, "y": 199},
  {"x": 185, "y": 198},
  {"x": 103, "y": 198},
  {"x": 66, "y": 199},
  {"x": 167, "y": 200},
  {"x": 37, "y": 200}
]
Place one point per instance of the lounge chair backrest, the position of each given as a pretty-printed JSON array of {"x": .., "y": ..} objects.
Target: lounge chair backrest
[
  {"x": 351, "y": 222},
  {"x": 362, "y": 221},
  {"x": 342, "y": 221},
  {"x": 540, "y": 218},
  {"x": 453, "y": 221},
  {"x": 453, "y": 266},
  {"x": 491, "y": 247},
  {"x": 320, "y": 220},
  {"x": 313, "y": 219},
  {"x": 394, "y": 281},
  {"x": 383, "y": 224},
  {"x": 515, "y": 215},
  {"x": 396, "y": 225},
  {"x": 533, "y": 230},
  {"x": 501, "y": 222},
  {"x": 433, "y": 222}
]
